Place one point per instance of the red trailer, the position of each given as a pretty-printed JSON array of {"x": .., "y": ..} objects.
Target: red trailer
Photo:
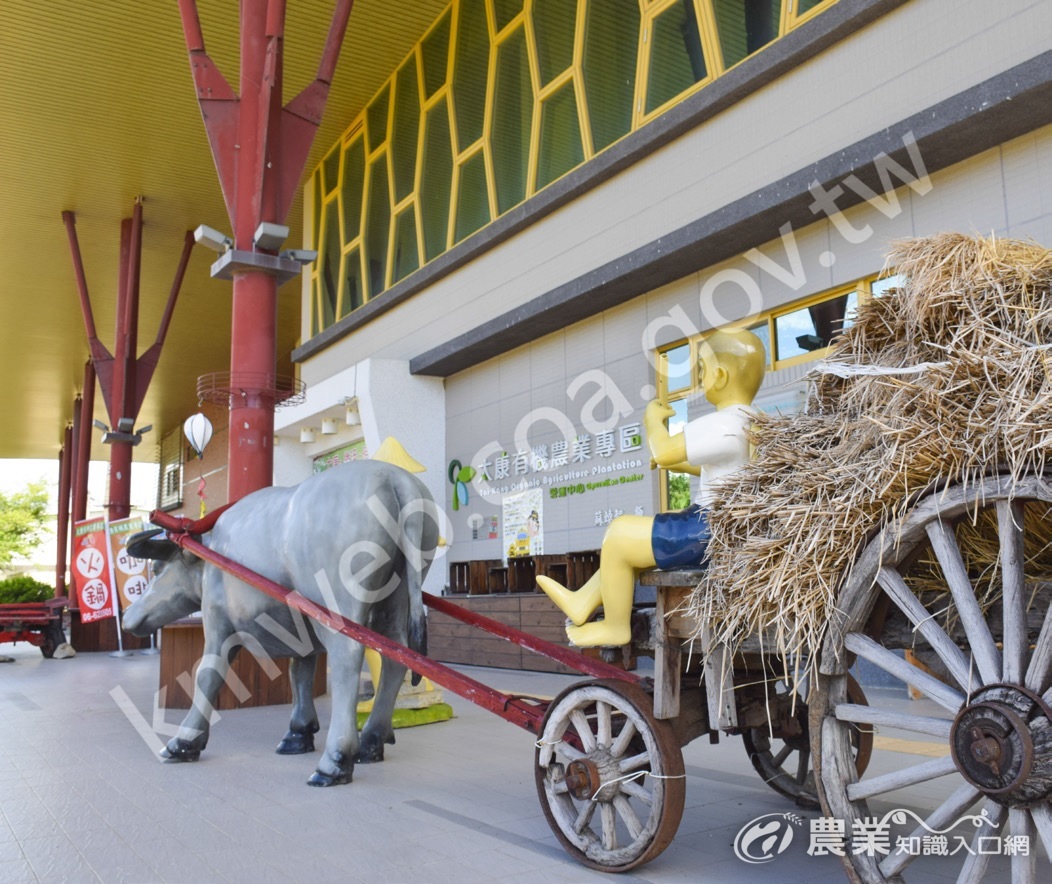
[{"x": 39, "y": 623}]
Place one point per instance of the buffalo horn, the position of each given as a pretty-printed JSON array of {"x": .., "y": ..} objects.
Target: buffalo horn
[{"x": 143, "y": 546}]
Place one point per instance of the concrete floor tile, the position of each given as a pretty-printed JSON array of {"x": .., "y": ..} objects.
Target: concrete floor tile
[{"x": 19, "y": 872}]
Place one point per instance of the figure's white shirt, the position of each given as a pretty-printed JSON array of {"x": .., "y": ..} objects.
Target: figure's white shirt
[{"x": 717, "y": 444}]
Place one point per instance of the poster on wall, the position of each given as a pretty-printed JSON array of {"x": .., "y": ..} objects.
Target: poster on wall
[
  {"x": 91, "y": 570},
  {"x": 352, "y": 452},
  {"x": 523, "y": 526},
  {"x": 129, "y": 573}
]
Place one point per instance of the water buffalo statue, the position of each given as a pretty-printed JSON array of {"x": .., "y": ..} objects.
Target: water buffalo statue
[{"x": 357, "y": 539}]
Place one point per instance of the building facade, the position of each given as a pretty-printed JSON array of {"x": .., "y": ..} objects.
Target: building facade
[{"x": 527, "y": 231}]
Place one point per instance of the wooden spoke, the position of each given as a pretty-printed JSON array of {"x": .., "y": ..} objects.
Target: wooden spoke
[
  {"x": 634, "y": 790},
  {"x": 981, "y": 642},
  {"x": 880, "y": 656},
  {"x": 779, "y": 759},
  {"x": 585, "y": 816},
  {"x": 945, "y": 814},
  {"x": 803, "y": 766},
  {"x": 628, "y": 816},
  {"x": 1042, "y": 814},
  {"x": 974, "y": 869},
  {"x": 1010, "y": 530},
  {"x": 1024, "y": 866},
  {"x": 568, "y": 751},
  {"x": 602, "y": 714},
  {"x": 919, "y": 724},
  {"x": 620, "y": 746},
  {"x": 584, "y": 730},
  {"x": 627, "y": 765},
  {"x": 1040, "y": 668},
  {"x": 606, "y": 812},
  {"x": 919, "y": 773},
  {"x": 935, "y": 635}
]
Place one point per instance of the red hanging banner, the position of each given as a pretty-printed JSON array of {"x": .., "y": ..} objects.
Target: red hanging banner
[{"x": 91, "y": 570}]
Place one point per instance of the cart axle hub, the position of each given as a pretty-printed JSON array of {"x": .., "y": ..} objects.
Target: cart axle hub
[
  {"x": 596, "y": 777},
  {"x": 1002, "y": 744}
]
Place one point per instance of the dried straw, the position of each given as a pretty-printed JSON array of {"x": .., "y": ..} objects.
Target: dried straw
[{"x": 975, "y": 315}]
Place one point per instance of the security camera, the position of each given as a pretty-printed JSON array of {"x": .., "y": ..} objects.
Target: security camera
[
  {"x": 303, "y": 256},
  {"x": 270, "y": 236},
  {"x": 212, "y": 238}
]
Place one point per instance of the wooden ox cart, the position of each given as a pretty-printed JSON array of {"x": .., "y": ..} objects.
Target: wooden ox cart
[{"x": 608, "y": 761}]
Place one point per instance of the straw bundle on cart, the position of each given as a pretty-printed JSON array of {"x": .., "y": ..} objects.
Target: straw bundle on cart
[{"x": 940, "y": 381}]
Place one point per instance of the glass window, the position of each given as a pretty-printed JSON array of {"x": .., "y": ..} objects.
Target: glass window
[
  {"x": 435, "y": 54},
  {"x": 554, "y": 22},
  {"x": 505, "y": 10},
  {"x": 677, "y": 485},
  {"x": 354, "y": 291},
  {"x": 813, "y": 328},
  {"x": 470, "y": 72},
  {"x": 436, "y": 187},
  {"x": 472, "y": 198},
  {"x": 377, "y": 223},
  {"x": 330, "y": 263},
  {"x": 677, "y": 61},
  {"x": 677, "y": 367},
  {"x": 331, "y": 167},
  {"x": 561, "y": 148},
  {"x": 745, "y": 26},
  {"x": 316, "y": 186},
  {"x": 376, "y": 118},
  {"x": 881, "y": 286},
  {"x": 353, "y": 179},
  {"x": 406, "y": 257},
  {"x": 611, "y": 42},
  {"x": 405, "y": 131},
  {"x": 512, "y": 120}
]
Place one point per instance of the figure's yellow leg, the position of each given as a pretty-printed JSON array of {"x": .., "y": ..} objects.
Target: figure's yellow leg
[
  {"x": 626, "y": 549},
  {"x": 579, "y": 605}
]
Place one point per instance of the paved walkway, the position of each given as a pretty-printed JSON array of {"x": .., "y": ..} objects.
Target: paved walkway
[{"x": 83, "y": 797}]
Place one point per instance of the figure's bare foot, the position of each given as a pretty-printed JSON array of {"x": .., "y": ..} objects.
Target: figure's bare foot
[
  {"x": 600, "y": 634},
  {"x": 575, "y": 605}
]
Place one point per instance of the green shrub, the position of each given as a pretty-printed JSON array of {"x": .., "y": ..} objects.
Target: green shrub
[{"x": 23, "y": 588}]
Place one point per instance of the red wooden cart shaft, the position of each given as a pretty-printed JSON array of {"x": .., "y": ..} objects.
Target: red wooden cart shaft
[
  {"x": 522, "y": 712},
  {"x": 573, "y": 659}
]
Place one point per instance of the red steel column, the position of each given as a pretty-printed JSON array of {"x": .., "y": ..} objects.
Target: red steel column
[
  {"x": 62, "y": 526},
  {"x": 79, "y": 471},
  {"x": 260, "y": 148}
]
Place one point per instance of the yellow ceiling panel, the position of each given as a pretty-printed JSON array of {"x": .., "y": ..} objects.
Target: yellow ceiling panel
[{"x": 96, "y": 108}]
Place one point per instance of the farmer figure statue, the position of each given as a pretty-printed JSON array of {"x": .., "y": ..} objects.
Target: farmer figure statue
[{"x": 732, "y": 366}]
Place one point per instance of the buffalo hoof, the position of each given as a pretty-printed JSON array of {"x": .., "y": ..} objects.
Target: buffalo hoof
[
  {"x": 294, "y": 743},
  {"x": 344, "y": 773},
  {"x": 371, "y": 749},
  {"x": 178, "y": 750}
]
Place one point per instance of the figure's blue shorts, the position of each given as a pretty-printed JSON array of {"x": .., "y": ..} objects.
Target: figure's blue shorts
[{"x": 681, "y": 539}]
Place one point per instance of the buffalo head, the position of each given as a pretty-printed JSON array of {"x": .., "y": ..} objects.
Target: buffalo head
[{"x": 175, "y": 590}]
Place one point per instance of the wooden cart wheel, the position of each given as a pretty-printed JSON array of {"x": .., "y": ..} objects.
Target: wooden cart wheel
[
  {"x": 784, "y": 764},
  {"x": 53, "y": 636},
  {"x": 609, "y": 775},
  {"x": 994, "y": 723}
]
